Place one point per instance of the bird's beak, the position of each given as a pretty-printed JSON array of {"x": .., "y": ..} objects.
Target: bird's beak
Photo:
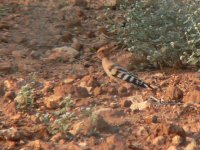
[{"x": 114, "y": 46}]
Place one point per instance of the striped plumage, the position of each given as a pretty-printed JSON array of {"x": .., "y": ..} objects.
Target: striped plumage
[
  {"x": 123, "y": 74},
  {"x": 116, "y": 72}
]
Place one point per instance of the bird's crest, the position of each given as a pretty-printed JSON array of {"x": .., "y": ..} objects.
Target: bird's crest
[{"x": 105, "y": 50}]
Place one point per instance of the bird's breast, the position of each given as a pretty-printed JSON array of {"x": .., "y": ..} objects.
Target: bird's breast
[{"x": 107, "y": 66}]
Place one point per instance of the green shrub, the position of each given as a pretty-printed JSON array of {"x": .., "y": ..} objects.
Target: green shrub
[
  {"x": 161, "y": 30},
  {"x": 25, "y": 97},
  {"x": 62, "y": 122},
  {"x": 59, "y": 120}
]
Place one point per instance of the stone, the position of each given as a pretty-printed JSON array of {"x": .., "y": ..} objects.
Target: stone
[
  {"x": 57, "y": 137},
  {"x": 87, "y": 64},
  {"x": 90, "y": 34},
  {"x": 114, "y": 105},
  {"x": 173, "y": 93},
  {"x": 81, "y": 92},
  {"x": 140, "y": 105},
  {"x": 96, "y": 121},
  {"x": 152, "y": 119},
  {"x": 160, "y": 76},
  {"x": 155, "y": 119},
  {"x": 128, "y": 110},
  {"x": 172, "y": 147},
  {"x": 70, "y": 79},
  {"x": 34, "y": 55},
  {"x": 10, "y": 134},
  {"x": 169, "y": 130},
  {"x": 79, "y": 128},
  {"x": 115, "y": 142},
  {"x": 63, "y": 90},
  {"x": 97, "y": 91},
  {"x": 192, "y": 145},
  {"x": 111, "y": 90},
  {"x": 52, "y": 101},
  {"x": 10, "y": 109},
  {"x": 70, "y": 145},
  {"x": 176, "y": 130},
  {"x": 160, "y": 140},
  {"x": 142, "y": 131},
  {"x": 111, "y": 117},
  {"x": 126, "y": 103},
  {"x": 10, "y": 144},
  {"x": 10, "y": 95},
  {"x": 71, "y": 23},
  {"x": 34, "y": 118},
  {"x": 122, "y": 91},
  {"x": 76, "y": 45},
  {"x": 82, "y": 144},
  {"x": 100, "y": 124},
  {"x": 10, "y": 84},
  {"x": 66, "y": 37},
  {"x": 47, "y": 87},
  {"x": 38, "y": 144},
  {"x": 89, "y": 82},
  {"x": 19, "y": 54},
  {"x": 62, "y": 54},
  {"x": 177, "y": 140}
]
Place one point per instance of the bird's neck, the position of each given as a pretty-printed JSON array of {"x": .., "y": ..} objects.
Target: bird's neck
[{"x": 105, "y": 58}]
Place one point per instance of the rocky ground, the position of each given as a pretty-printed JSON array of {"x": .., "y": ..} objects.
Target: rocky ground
[{"x": 55, "y": 95}]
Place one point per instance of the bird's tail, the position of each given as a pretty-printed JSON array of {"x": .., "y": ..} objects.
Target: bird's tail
[
  {"x": 133, "y": 79},
  {"x": 123, "y": 74}
]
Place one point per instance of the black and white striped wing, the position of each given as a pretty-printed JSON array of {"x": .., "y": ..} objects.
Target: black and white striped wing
[{"x": 123, "y": 74}]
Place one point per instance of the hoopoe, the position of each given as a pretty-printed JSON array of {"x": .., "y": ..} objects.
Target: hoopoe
[{"x": 115, "y": 71}]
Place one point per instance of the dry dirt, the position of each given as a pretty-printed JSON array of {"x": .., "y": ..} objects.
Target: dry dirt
[{"x": 55, "y": 95}]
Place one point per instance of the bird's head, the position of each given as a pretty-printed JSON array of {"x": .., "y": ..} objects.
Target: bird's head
[{"x": 104, "y": 51}]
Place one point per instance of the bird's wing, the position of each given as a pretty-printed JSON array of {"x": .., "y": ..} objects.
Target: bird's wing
[{"x": 123, "y": 74}]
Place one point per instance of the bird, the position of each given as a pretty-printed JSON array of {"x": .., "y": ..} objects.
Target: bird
[{"x": 117, "y": 72}]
